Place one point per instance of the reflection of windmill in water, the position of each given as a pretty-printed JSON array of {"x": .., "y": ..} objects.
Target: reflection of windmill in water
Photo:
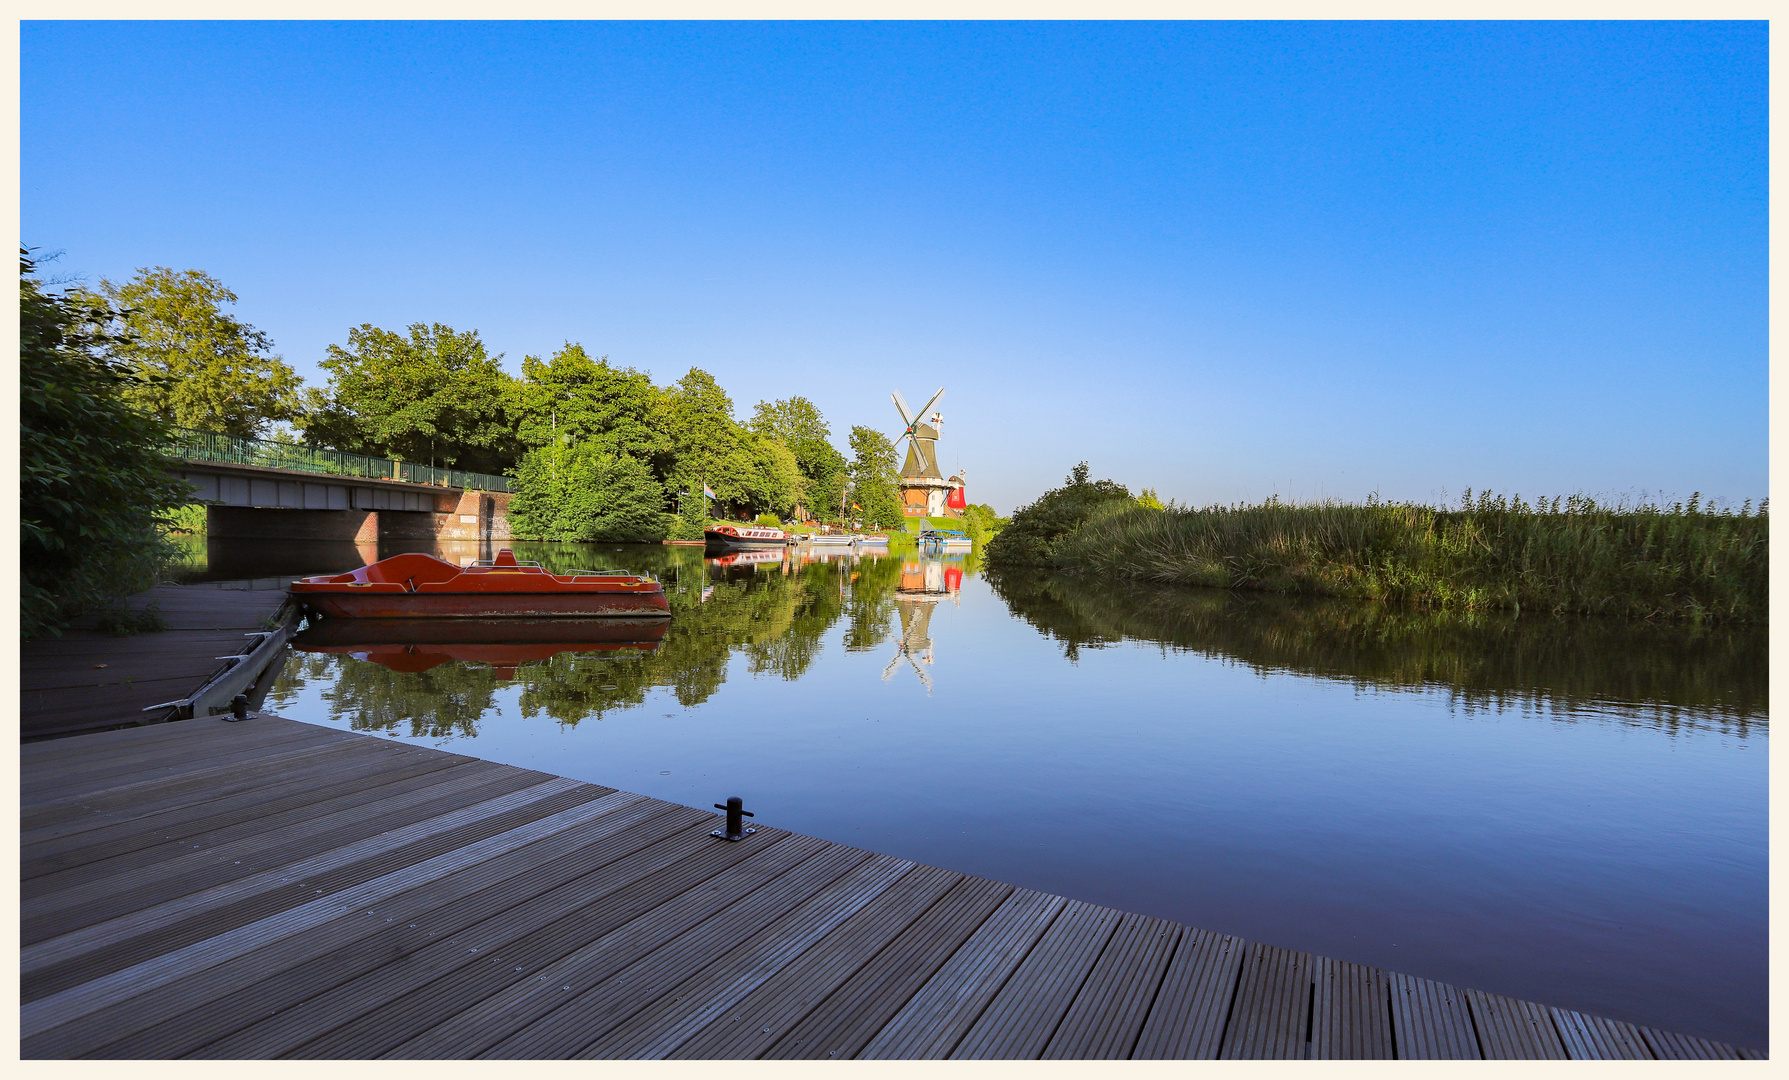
[
  {"x": 923, "y": 584},
  {"x": 924, "y": 490}
]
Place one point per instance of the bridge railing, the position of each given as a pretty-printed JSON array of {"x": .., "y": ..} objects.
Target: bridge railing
[{"x": 268, "y": 453}]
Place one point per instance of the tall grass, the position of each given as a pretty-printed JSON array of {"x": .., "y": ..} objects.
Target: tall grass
[{"x": 1493, "y": 553}]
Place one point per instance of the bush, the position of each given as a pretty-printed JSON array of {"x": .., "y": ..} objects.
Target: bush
[
  {"x": 769, "y": 521},
  {"x": 583, "y": 494},
  {"x": 1031, "y": 537},
  {"x": 92, "y": 478}
]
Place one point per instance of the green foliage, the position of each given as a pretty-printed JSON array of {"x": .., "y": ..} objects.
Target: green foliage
[
  {"x": 1485, "y": 659},
  {"x": 769, "y": 521},
  {"x": 746, "y": 470},
  {"x": 1036, "y": 529},
  {"x": 570, "y": 398},
  {"x": 585, "y": 493},
  {"x": 432, "y": 397},
  {"x": 92, "y": 479},
  {"x": 691, "y": 518},
  {"x": 980, "y": 522},
  {"x": 1560, "y": 555},
  {"x": 797, "y": 423},
  {"x": 1148, "y": 500},
  {"x": 191, "y": 519},
  {"x": 875, "y": 492},
  {"x": 192, "y": 365}
]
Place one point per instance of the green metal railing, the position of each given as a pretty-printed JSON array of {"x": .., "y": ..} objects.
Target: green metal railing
[{"x": 235, "y": 450}]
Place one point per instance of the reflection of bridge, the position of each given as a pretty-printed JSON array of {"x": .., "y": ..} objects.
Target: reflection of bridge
[{"x": 252, "y": 487}]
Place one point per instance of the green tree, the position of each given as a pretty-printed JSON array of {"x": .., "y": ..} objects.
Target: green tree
[
  {"x": 584, "y": 493},
  {"x": 571, "y": 397},
  {"x": 797, "y": 423},
  {"x": 191, "y": 363},
  {"x": 92, "y": 478},
  {"x": 875, "y": 483},
  {"x": 432, "y": 396},
  {"x": 747, "y": 471},
  {"x": 1030, "y": 539}
]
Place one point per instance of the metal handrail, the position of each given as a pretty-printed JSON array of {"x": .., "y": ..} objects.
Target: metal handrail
[{"x": 268, "y": 453}]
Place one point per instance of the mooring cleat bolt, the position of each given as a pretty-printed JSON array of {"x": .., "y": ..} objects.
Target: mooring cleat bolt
[{"x": 736, "y": 828}]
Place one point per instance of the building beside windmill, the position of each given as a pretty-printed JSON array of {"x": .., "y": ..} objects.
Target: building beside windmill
[{"x": 925, "y": 491}]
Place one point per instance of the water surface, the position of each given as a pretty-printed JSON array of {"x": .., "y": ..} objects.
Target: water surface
[{"x": 1569, "y": 811}]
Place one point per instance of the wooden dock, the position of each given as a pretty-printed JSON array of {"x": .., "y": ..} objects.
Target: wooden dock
[
  {"x": 90, "y": 680},
  {"x": 276, "y": 889}
]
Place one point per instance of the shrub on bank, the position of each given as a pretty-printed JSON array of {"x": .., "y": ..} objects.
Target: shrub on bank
[
  {"x": 1031, "y": 537},
  {"x": 581, "y": 494},
  {"x": 92, "y": 476},
  {"x": 1559, "y": 555}
]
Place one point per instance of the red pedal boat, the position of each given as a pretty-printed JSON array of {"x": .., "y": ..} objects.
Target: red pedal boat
[{"x": 415, "y": 585}]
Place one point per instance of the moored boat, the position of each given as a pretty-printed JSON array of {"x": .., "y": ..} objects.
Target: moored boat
[
  {"x": 872, "y": 540},
  {"x": 828, "y": 540},
  {"x": 724, "y": 538},
  {"x": 945, "y": 540},
  {"x": 414, "y": 585}
]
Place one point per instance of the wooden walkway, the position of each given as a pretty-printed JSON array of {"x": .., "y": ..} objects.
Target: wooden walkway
[
  {"x": 90, "y": 680},
  {"x": 276, "y": 889}
]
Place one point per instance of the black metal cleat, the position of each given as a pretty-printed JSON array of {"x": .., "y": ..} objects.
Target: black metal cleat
[
  {"x": 736, "y": 829},
  {"x": 239, "y": 709}
]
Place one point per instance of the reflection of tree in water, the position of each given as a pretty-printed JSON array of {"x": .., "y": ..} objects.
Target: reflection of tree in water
[
  {"x": 773, "y": 614},
  {"x": 1673, "y": 675}
]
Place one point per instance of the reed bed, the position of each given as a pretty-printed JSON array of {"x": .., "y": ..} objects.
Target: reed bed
[{"x": 1569, "y": 554}]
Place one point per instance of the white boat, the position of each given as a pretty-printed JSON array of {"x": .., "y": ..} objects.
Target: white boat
[
  {"x": 945, "y": 540},
  {"x": 828, "y": 539}
]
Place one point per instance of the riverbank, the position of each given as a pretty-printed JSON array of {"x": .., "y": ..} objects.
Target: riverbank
[{"x": 1562, "y": 556}]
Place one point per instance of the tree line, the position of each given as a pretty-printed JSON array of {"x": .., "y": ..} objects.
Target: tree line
[{"x": 598, "y": 451}]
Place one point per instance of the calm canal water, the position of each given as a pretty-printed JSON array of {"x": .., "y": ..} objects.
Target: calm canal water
[{"x": 1569, "y": 811}]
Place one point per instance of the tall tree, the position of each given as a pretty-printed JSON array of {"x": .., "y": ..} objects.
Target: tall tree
[
  {"x": 92, "y": 476},
  {"x": 570, "y": 398},
  {"x": 746, "y": 471},
  {"x": 582, "y": 493},
  {"x": 875, "y": 481},
  {"x": 192, "y": 364},
  {"x": 797, "y": 422},
  {"x": 432, "y": 396}
]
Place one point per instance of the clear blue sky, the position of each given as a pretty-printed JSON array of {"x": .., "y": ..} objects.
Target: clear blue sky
[{"x": 1222, "y": 260}]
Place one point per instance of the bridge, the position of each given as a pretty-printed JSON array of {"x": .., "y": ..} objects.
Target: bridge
[{"x": 252, "y": 488}]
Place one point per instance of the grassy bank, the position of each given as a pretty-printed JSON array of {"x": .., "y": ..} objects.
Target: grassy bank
[{"x": 1561, "y": 555}]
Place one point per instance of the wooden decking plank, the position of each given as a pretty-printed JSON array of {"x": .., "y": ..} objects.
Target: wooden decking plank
[
  {"x": 762, "y": 1015},
  {"x": 952, "y": 1000},
  {"x": 1107, "y": 1015},
  {"x": 1193, "y": 1005},
  {"x": 213, "y": 921},
  {"x": 317, "y": 783},
  {"x": 62, "y": 912},
  {"x": 115, "y": 1005},
  {"x": 52, "y": 753},
  {"x": 169, "y": 763},
  {"x": 323, "y": 815},
  {"x": 1598, "y": 1038},
  {"x": 583, "y": 1017},
  {"x": 656, "y": 911},
  {"x": 1670, "y": 1046},
  {"x": 1350, "y": 1013},
  {"x": 1023, "y": 1016},
  {"x": 1268, "y": 1020},
  {"x": 185, "y": 743},
  {"x": 721, "y": 987},
  {"x": 1431, "y": 1021},
  {"x": 129, "y": 797},
  {"x": 842, "y": 1024},
  {"x": 160, "y": 918},
  {"x": 1509, "y": 1029},
  {"x": 90, "y": 810},
  {"x": 323, "y": 990},
  {"x": 387, "y": 1008}
]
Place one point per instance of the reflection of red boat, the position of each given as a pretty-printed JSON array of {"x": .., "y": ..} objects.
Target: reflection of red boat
[
  {"x": 412, "y": 645},
  {"x": 749, "y": 558},
  {"x": 414, "y": 585}
]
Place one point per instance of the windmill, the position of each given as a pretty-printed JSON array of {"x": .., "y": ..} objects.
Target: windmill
[{"x": 924, "y": 490}]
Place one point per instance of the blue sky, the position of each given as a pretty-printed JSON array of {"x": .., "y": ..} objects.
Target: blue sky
[{"x": 1223, "y": 260}]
